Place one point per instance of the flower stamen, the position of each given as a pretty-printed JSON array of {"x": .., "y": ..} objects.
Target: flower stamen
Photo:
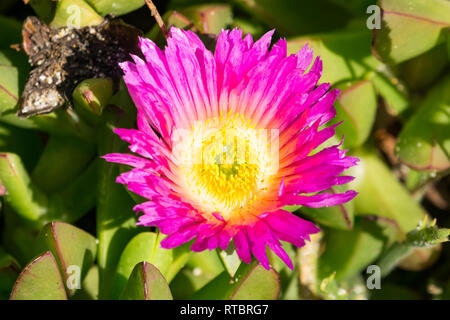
[{"x": 229, "y": 164}]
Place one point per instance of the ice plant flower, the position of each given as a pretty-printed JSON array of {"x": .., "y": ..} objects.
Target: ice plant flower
[{"x": 225, "y": 140}]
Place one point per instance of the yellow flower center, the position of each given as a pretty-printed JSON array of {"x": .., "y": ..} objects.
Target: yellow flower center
[{"x": 225, "y": 164}]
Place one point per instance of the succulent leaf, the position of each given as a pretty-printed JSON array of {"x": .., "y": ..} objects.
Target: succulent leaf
[
  {"x": 146, "y": 283},
  {"x": 40, "y": 280}
]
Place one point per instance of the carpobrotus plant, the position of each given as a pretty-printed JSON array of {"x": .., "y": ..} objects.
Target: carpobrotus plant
[{"x": 212, "y": 174}]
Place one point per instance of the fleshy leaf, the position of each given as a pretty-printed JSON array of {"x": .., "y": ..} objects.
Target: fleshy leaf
[
  {"x": 61, "y": 162},
  {"x": 26, "y": 199},
  {"x": 348, "y": 252},
  {"x": 91, "y": 96},
  {"x": 36, "y": 208},
  {"x": 115, "y": 218},
  {"x": 89, "y": 286},
  {"x": 40, "y": 280},
  {"x": 424, "y": 142},
  {"x": 115, "y": 7},
  {"x": 17, "y": 237},
  {"x": 410, "y": 28},
  {"x": 251, "y": 282},
  {"x": 292, "y": 17},
  {"x": 355, "y": 107},
  {"x": 146, "y": 247},
  {"x": 393, "y": 93},
  {"x": 71, "y": 246},
  {"x": 25, "y": 143},
  {"x": 75, "y": 13},
  {"x": 347, "y": 56},
  {"x": 345, "y": 53},
  {"x": 146, "y": 283},
  {"x": 211, "y": 18},
  {"x": 12, "y": 65},
  {"x": 381, "y": 194},
  {"x": 9, "y": 270},
  {"x": 425, "y": 69},
  {"x": 201, "y": 268},
  {"x": 230, "y": 259}
]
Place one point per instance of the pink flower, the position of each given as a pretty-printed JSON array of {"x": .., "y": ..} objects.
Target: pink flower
[{"x": 202, "y": 185}]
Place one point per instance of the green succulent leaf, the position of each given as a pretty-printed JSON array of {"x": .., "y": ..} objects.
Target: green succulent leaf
[
  {"x": 73, "y": 248},
  {"x": 40, "y": 280},
  {"x": 12, "y": 67},
  {"x": 61, "y": 162},
  {"x": 206, "y": 262},
  {"x": 292, "y": 17},
  {"x": 89, "y": 286},
  {"x": 211, "y": 18},
  {"x": 347, "y": 57},
  {"x": 355, "y": 107},
  {"x": 75, "y": 13},
  {"x": 230, "y": 259},
  {"x": 410, "y": 28},
  {"x": 348, "y": 252},
  {"x": 115, "y": 218},
  {"x": 146, "y": 283},
  {"x": 21, "y": 194},
  {"x": 25, "y": 143},
  {"x": 115, "y": 7},
  {"x": 381, "y": 194},
  {"x": 91, "y": 96},
  {"x": 146, "y": 247},
  {"x": 76, "y": 199},
  {"x": 345, "y": 54},
  {"x": 425, "y": 69},
  {"x": 424, "y": 142},
  {"x": 36, "y": 208},
  {"x": 201, "y": 268},
  {"x": 395, "y": 98},
  {"x": 9, "y": 270},
  {"x": 17, "y": 237},
  {"x": 251, "y": 282}
]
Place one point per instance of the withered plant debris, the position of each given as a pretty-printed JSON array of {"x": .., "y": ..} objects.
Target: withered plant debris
[{"x": 61, "y": 58}]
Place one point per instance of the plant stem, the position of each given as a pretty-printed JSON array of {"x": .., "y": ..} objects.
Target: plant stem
[{"x": 157, "y": 17}]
